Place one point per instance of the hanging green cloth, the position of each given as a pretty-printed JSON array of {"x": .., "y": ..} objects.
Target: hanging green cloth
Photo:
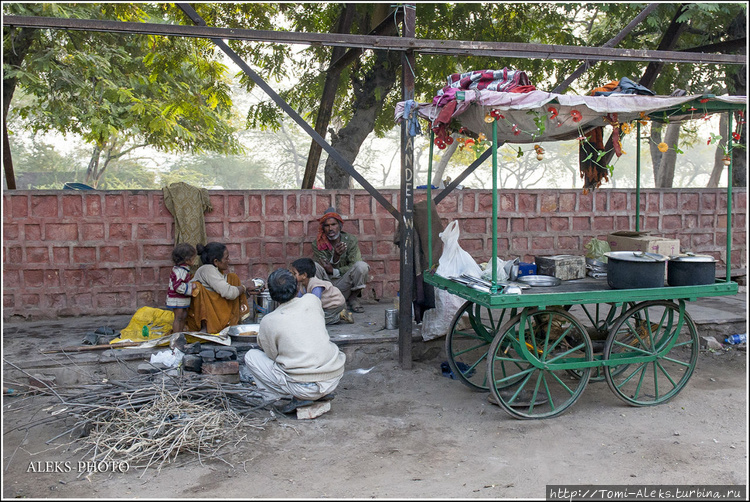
[{"x": 187, "y": 204}]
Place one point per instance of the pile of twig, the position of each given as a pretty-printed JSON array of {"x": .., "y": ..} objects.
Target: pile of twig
[{"x": 145, "y": 422}]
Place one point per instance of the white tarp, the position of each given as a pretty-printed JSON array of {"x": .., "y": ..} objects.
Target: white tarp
[{"x": 521, "y": 110}]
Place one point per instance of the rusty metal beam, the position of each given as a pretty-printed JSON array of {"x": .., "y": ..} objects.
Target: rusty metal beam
[{"x": 422, "y": 46}]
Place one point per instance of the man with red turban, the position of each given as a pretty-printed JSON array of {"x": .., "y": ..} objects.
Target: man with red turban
[{"x": 338, "y": 259}]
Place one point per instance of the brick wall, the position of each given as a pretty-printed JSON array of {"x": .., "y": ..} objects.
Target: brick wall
[{"x": 74, "y": 253}]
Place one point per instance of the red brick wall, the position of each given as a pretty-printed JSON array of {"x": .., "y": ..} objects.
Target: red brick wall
[{"x": 75, "y": 252}]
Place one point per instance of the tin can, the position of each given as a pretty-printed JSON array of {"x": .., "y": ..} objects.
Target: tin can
[{"x": 391, "y": 318}]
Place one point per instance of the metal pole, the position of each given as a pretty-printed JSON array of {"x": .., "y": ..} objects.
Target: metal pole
[
  {"x": 637, "y": 176},
  {"x": 406, "y": 282},
  {"x": 494, "y": 287},
  {"x": 729, "y": 199},
  {"x": 429, "y": 202}
]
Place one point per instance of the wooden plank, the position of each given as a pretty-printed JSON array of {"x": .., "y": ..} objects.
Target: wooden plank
[
  {"x": 422, "y": 46},
  {"x": 406, "y": 271}
]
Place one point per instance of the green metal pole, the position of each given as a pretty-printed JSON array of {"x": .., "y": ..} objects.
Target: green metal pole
[
  {"x": 494, "y": 288},
  {"x": 729, "y": 199},
  {"x": 429, "y": 202},
  {"x": 637, "y": 176}
]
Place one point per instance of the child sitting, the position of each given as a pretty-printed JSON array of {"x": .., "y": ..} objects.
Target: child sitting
[
  {"x": 180, "y": 290},
  {"x": 334, "y": 303}
]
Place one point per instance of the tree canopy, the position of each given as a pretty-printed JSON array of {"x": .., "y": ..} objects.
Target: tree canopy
[{"x": 124, "y": 91}]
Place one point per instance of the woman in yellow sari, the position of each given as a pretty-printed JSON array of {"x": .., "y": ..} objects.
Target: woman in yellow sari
[{"x": 219, "y": 298}]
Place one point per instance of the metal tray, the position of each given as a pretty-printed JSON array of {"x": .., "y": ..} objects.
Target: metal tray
[{"x": 538, "y": 281}]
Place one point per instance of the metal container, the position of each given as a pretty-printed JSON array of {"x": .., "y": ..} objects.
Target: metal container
[
  {"x": 391, "y": 318},
  {"x": 263, "y": 305},
  {"x": 635, "y": 269},
  {"x": 691, "y": 270}
]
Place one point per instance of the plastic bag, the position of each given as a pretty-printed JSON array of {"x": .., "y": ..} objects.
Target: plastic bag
[
  {"x": 170, "y": 359},
  {"x": 596, "y": 249},
  {"x": 503, "y": 269},
  {"x": 159, "y": 324},
  {"x": 453, "y": 262}
]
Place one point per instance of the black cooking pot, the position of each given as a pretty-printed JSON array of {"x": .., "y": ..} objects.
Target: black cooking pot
[
  {"x": 635, "y": 269},
  {"x": 691, "y": 270}
]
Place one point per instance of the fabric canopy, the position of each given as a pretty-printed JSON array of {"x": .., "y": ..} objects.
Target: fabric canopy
[{"x": 539, "y": 116}]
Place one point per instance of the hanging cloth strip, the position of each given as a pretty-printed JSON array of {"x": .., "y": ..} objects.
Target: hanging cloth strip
[{"x": 410, "y": 115}]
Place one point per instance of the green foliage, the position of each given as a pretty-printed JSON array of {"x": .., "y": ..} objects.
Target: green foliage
[{"x": 166, "y": 92}]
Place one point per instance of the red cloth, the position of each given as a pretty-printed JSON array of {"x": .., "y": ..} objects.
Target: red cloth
[{"x": 323, "y": 242}]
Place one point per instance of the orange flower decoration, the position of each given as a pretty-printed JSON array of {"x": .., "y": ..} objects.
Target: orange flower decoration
[
  {"x": 663, "y": 147},
  {"x": 626, "y": 128}
]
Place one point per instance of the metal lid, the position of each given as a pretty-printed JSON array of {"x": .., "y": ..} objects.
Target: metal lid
[
  {"x": 637, "y": 256},
  {"x": 702, "y": 258}
]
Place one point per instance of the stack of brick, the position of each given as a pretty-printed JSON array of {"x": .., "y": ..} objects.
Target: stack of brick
[{"x": 217, "y": 362}]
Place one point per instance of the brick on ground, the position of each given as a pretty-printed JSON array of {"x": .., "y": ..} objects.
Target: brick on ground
[
  {"x": 221, "y": 368},
  {"x": 314, "y": 410}
]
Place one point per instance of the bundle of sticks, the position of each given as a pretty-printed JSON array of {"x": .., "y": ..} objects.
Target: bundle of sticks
[{"x": 147, "y": 421}]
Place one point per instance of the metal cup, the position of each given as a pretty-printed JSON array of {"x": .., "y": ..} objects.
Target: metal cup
[{"x": 391, "y": 318}]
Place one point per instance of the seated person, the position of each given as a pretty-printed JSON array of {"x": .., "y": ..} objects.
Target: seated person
[
  {"x": 297, "y": 358},
  {"x": 334, "y": 305},
  {"x": 219, "y": 298},
  {"x": 339, "y": 260}
]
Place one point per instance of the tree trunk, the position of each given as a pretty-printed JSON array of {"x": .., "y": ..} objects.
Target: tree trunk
[
  {"x": 92, "y": 171},
  {"x": 668, "y": 42},
  {"x": 327, "y": 99},
  {"x": 21, "y": 40},
  {"x": 716, "y": 172},
  {"x": 664, "y": 162},
  {"x": 737, "y": 85},
  {"x": 437, "y": 174},
  {"x": 370, "y": 92}
]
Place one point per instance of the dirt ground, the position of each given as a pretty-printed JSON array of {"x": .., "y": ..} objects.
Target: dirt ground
[{"x": 405, "y": 434}]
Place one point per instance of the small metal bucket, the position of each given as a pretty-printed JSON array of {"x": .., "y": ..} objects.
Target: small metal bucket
[
  {"x": 263, "y": 305},
  {"x": 391, "y": 318}
]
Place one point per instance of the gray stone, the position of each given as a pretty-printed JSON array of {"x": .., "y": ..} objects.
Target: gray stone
[
  {"x": 208, "y": 355},
  {"x": 226, "y": 355},
  {"x": 192, "y": 362},
  {"x": 147, "y": 368},
  {"x": 709, "y": 342}
]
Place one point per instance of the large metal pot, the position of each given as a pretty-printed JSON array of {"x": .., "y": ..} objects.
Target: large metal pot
[
  {"x": 263, "y": 305},
  {"x": 691, "y": 270},
  {"x": 635, "y": 269}
]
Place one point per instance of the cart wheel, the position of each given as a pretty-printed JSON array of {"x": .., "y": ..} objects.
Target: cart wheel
[
  {"x": 598, "y": 319},
  {"x": 523, "y": 355},
  {"x": 666, "y": 346},
  {"x": 470, "y": 335}
]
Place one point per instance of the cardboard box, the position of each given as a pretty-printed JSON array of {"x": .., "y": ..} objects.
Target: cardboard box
[
  {"x": 564, "y": 266},
  {"x": 643, "y": 241}
]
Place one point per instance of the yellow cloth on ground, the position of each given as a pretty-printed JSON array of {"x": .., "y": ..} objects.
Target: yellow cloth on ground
[
  {"x": 159, "y": 323},
  {"x": 217, "y": 311}
]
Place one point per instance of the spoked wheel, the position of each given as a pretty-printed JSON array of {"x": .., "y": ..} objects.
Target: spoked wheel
[
  {"x": 472, "y": 330},
  {"x": 525, "y": 358},
  {"x": 598, "y": 320},
  {"x": 657, "y": 343}
]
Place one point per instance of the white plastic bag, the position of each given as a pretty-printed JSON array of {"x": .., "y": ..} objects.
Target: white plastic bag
[
  {"x": 502, "y": 270},
  {"x": 169, "y": 358},
  {"x": 453, "y": 262}
]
